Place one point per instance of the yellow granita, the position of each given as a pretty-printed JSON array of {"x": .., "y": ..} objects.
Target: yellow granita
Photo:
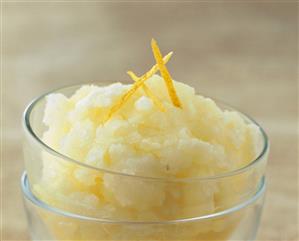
[
  {"x": 196, "y": 140},
  {"x": 136, "y": 145}
]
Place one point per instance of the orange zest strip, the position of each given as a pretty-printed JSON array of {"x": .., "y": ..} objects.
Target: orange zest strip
[
  {"x": 135, "y": 87},
  {"x": 165, "y": 74},
  {"x": 148, "y": 92}
]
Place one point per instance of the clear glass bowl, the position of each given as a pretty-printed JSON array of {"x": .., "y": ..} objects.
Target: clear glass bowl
[
  {"x": 49, "y": 223},
  {"x": 61, "y": 196}
]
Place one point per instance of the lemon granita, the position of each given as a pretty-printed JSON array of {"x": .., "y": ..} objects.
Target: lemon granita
[
  {"x": 198, "y": 139},
  {"x": 141, "y": 149}
]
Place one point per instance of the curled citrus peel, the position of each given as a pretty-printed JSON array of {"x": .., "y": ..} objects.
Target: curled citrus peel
[
  {"x": 135, "y": 87},
  {"x": 165, "y": 74},
  {"x": 148, "y": 92}
]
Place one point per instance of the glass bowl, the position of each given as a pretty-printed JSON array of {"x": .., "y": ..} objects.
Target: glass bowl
[
  {"x": 62, "y": 196},
  {"x": 46, "y": 222}
]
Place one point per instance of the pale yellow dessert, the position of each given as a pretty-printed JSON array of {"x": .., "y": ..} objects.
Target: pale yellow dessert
[{"x": 159, "y": 130}]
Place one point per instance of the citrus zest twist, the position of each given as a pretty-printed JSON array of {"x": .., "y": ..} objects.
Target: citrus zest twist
[
  {"x": 135, "y": 87},
  {"x": 148, "y": 92},
  {"x": 165, "y": 74}
]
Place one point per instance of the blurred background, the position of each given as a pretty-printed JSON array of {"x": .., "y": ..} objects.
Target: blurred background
[{"x": 242, "y": 52}]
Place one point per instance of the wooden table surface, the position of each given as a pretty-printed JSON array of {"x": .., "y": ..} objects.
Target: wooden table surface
[{"x": 242, "y": 52}]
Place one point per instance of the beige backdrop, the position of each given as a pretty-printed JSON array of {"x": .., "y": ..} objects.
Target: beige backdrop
[{"x": 244, "y": 53}]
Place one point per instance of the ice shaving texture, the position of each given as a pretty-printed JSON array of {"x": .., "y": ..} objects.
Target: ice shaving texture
[{"x": 197, "y": 140}]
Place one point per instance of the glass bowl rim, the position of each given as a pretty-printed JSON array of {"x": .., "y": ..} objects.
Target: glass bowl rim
[
  {"x": 28, "y": 194},
  {"x": 29, "y": 130}
]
